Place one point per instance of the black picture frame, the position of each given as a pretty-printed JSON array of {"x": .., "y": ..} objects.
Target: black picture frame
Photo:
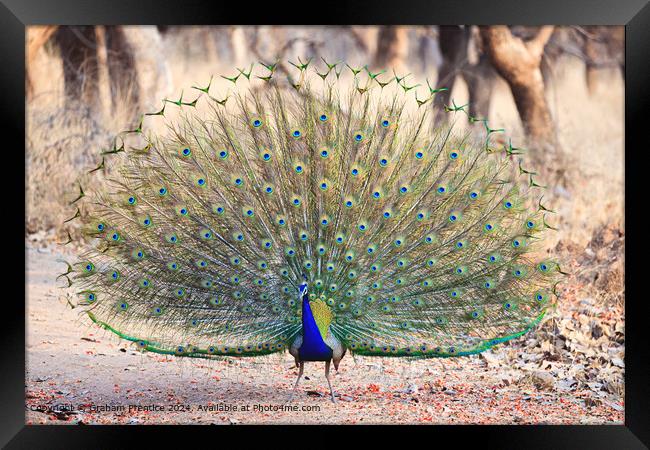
[{"x": 15, "y": 15}]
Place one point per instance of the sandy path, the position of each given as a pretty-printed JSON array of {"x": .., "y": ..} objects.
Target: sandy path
[{"x": 74, "y": 364}]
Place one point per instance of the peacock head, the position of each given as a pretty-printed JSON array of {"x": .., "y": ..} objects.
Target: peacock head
[{"x": 303, "y": 286}]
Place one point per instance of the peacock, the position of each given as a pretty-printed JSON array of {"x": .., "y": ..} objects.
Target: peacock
[{"x": 313, "y": 208}]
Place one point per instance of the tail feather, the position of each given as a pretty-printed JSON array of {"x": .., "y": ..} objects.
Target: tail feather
[{"x": 420, "y": 239}]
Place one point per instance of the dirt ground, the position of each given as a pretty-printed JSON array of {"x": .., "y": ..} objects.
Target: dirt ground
[{"x": 79, "y": 374}]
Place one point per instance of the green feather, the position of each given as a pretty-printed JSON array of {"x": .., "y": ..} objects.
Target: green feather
[{"x": 420, "y": 239}]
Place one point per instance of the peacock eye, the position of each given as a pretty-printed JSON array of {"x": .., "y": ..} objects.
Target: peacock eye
[{"x": 323, "y": 117}]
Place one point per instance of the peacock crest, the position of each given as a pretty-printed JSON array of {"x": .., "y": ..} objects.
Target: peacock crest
[{"x": 417, "y": 240}]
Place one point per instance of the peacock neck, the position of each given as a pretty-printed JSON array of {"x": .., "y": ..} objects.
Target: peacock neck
[
  {"x": 313, "y": 346},
  {"x": 310, "y": 331}
]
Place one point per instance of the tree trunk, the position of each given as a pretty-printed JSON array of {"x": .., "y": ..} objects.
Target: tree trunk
[
  {"x": 518, "y": 62},
  {"x": 122, "y": 74},
  {"x": 480, "y": 79},
  {"x": 392, "y": 47},
  {"x": 37, "y": 36},
  {"x": 78, "y": 48},
  {"x": 453, "y": 41}
]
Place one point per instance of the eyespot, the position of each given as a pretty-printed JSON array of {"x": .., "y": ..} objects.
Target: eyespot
[
  {"x": 530, "y": 224},
  {"x": 354, "y": 171},
  {"x": 507, "y": 204},
  {"x": 453, "y": 154},
  {"x": 223, "y": 154},
  {"x": 186, "y": 151},
  {"x": 132, "y": 200},
  {"x": 257, "y": 122},
  {"x": 162, "y": 191},
  {"x": 419, "y": 154},
  {"x": 218, "y": 209},
  {"x": 323, "y": 118},
  {"x": 385, "y": 123},
  {"x": 324, "y": 153},
  {"x": 296, "y": 133},
  {"x": 358, "y": 137},
  {"x": 473, "y": 195},
  {"x": 200, "y": 181},
  {"x": 404, "y": 189},
  {"x": 383, "y": 162},
  {"x": 115, "y": 236}
]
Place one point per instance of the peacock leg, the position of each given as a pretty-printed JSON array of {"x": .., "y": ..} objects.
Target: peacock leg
[
  {"x": 300, "y": 371},
  {"x": 327, "y": 375}
]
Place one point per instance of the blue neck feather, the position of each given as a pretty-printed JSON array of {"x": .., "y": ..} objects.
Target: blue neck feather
[{"x": 313, "y": 347}]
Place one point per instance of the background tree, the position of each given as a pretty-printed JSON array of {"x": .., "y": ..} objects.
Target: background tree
[{"x": 518, "y": 62}]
